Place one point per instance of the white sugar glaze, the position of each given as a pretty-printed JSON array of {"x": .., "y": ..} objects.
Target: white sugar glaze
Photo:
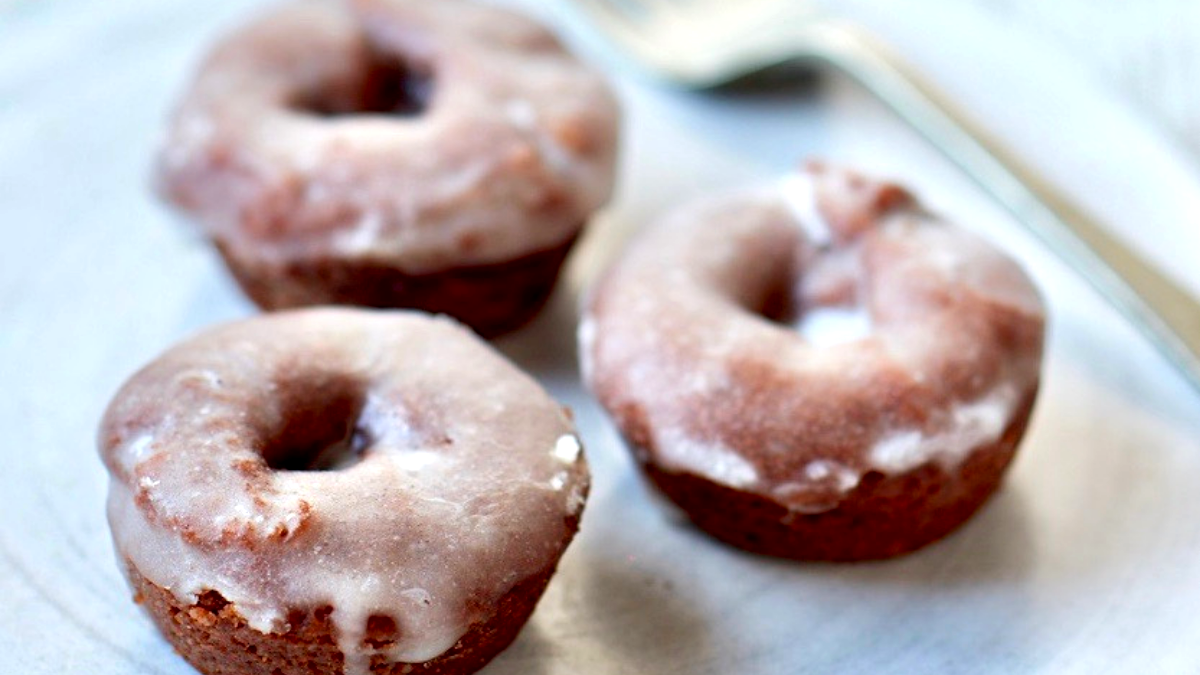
[
  {"x": 799, "y": 194},
  {"x": 823, "y": 326},
  {"x": 468, "y": 476},
  {"x": 714, "y": 460},
  {"x": 906, "y": 342}
]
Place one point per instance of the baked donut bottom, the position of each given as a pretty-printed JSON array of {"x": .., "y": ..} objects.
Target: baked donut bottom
[
  {"x": 214, "y": 638},
  {"x": 492, "y": 299},
  {"x": 886, "y": 515}
]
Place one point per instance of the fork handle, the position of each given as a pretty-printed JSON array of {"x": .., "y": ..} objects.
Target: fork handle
[{"x": 1162, "y": 311}]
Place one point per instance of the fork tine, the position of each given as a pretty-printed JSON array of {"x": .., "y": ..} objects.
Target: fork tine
[
  {"x": 682, "y": 39},
  {"x": 651, "y": 9},
  {"x": 639, "y": 13},
  {"x": 632, "y": 27},
  {"x": 630, "y": 11},
  {"x": 618, "y": 20}
]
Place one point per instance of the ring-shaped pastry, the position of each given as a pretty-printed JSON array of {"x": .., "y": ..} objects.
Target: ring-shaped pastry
[
  {"x": 441, "y": 156},
  {"x": 818, "y": 369},
  {"x": 339, "y": 490}
]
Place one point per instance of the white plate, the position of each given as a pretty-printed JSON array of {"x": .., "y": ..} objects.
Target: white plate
[{"x": 1085, "y": 562}]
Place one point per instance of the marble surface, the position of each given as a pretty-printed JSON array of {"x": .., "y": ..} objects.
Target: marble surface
[{"x": 1084, "y": 563}]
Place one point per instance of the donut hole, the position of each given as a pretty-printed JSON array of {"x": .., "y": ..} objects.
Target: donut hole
[
  {"x": 387, "y": 85},
  {"x": 820, "y": 300},
  {"x": 820, "y": 324},
  {"x": 321, "y": 428},
  {"x": 824, "y": 325}
]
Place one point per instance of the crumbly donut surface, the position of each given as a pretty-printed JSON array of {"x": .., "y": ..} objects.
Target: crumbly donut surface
[
  {"x": 469, "y": 479},
  {"x": 697, "y": 343}
]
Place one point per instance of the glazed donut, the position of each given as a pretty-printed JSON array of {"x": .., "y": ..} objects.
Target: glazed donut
[
  {"x": 339, "y": 491},
  {"x": 818, "y": 369},
  {"x": 441, "y": 155}
]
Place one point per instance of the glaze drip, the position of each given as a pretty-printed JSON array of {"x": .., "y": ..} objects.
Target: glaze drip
[{"x": 467, "y": 478}]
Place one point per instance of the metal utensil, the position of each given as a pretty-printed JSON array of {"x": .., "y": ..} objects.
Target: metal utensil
[{"x": 707, "y": 43}]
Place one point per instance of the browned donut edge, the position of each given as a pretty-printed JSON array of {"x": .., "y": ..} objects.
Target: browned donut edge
[
  {"x": 883, "y": 517},
  {"x": 492, "y": 299},
  {"x": 214, "y": 638}
]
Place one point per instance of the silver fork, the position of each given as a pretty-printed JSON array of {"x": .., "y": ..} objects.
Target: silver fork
[{"x": 707, "y": 43}]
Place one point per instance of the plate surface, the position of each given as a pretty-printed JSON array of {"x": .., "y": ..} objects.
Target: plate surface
[{"x": 1084, "y": 563}]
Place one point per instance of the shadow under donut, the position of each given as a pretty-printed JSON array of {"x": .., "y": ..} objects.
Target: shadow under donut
[
  {"x": 545, "y": 347},
  {"x": 994, "y": 548},
  {"x": 528, "y": 655},
  {"x": 970, "y": 593},
  {"x": 635, "y": 610}
]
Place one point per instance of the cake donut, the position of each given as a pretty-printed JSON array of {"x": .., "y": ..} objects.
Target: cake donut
[
  {"x": 819, "y": 368},
  {"x": 339, "y": 491},
  {"x": 442, "y": 156}
]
